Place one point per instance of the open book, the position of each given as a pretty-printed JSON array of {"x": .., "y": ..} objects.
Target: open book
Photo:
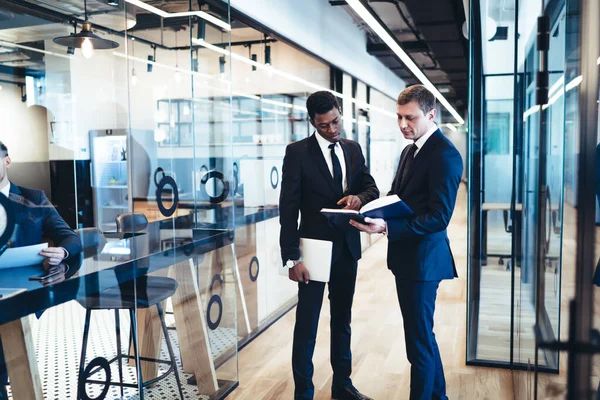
[{"x": 387, "y": 207}]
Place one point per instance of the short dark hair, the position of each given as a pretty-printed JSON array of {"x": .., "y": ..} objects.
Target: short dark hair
[
  {"x": 3, "y": 150},
  {"x": 321, "y": 103},
  {"x": 420, "y": 94}
]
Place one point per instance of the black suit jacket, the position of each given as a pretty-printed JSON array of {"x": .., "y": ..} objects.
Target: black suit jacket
[
  {"x": 307, "y": 187},
  {"x": 418, "y": 246},
  {"x": 36, "y": 218}
]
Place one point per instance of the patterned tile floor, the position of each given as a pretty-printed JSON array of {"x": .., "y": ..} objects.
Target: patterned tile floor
[{"x": 58, "y": 338}]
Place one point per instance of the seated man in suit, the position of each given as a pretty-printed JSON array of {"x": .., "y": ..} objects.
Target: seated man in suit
[
  {"x": 419, "y": 252},
  {"x": 323, "y": 171},
  {"x": 35, "y": 219}
]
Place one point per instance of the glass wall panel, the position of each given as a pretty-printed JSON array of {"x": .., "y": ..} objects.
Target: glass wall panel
[{"x": 129, "y": 135}]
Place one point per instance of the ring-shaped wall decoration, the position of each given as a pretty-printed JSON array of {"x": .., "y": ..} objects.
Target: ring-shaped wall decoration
[
  {"x": 216, "y": 278},
  {"x": 167, "y": 180},
  {"x": 215, "y": 299},
  {"x": 10, "y": 221},
  {"x": 236, "y": 177},
  {"x": 95, "y": 363},
  {"x": 274, "y": 183},
  {"x": 254, "y": 277},
  {"x": 217, "y": 175},
  {"x": 158, "y": 171}
]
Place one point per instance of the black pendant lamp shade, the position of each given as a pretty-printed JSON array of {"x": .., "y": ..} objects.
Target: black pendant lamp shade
[{"x": 77, "y": 39}]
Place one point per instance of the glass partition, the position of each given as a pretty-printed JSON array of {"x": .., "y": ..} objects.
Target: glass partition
[
  {"x": 128, "y": 133},
  {"x": 516, "y": 186}
]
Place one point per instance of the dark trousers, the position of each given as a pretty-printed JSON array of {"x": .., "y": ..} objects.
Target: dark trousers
[
  {"x": 310, "y": 298},
  {"x": 417, "y": 303}
]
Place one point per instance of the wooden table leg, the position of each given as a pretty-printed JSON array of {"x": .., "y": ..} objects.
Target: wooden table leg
[
  {"x": 149, "y": 340},
  {"x": 192, "y": 330},
  {"x": 17, "y": 343}
]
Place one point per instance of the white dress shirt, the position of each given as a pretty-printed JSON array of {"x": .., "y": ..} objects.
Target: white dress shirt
[
  {"x": 324, "y": 145},
  {"x": 421, "y": 141},
  {"x": 5, "y": 191}
]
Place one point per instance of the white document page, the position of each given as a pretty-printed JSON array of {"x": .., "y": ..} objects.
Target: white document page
[
  {"x": 316, "y": 256},
  {"x": 22, "y": 256}
]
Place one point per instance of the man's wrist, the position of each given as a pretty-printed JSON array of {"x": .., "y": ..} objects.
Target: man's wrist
[{"x": 291, "y": 263}]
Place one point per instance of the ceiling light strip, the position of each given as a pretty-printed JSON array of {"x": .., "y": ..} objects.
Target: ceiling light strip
[
  {"x": 20, "y": 46},
  {"x": 451, "y": 127},
  {"x": 287, "y": 75},
  {"x": 557, "y": 85},
  {"x": 362, "y": 11},
  {"x": 205, "y": 16},
  {"x": 169, "y": 67}
]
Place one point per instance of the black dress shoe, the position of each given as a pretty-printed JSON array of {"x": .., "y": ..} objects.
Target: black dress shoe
[{"x": 348, "y": 393}]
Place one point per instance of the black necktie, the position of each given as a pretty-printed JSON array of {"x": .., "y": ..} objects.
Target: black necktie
[
  {"x": 410, "y": 156},
  {"x": 337, "y": 170}
]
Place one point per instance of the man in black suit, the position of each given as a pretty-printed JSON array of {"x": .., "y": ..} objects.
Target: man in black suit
[
  {"x": 35, "y": 219},
  {"x": 323, "y": 171},
  {"x": 419, "y": 253}
]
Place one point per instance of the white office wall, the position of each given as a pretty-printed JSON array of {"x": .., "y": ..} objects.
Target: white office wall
[
  {"x": 22, "y": 129},
  {"x": 328, "y": 32}
]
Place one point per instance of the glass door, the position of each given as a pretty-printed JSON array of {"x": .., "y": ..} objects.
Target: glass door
[{"x": 543, "y": 183}]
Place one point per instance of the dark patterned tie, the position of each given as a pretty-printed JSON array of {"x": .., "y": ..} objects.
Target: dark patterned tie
[
  {"x": 410, "y": 156},
  {"x": 337, "y": 170}
]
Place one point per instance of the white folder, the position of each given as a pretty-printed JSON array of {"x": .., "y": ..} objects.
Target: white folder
[{"x": 316, "y": 256}]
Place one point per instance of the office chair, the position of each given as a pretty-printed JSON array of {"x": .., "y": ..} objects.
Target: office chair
[
  {"x": 92, "y": 241},
  {"x": 131, "y": 222}
]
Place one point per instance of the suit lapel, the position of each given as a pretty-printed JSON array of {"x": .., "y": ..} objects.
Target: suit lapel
[
  {"x": 348, "y": 161},
  {"x": 320, "y": 160},
  {"x": 16, "y": 196},
  {"x": 421, "y": 156}
]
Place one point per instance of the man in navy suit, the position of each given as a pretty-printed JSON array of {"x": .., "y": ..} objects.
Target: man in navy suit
[
  {"x": 35, "y": 219},
  {"x": 419, "y": 253},
  {"x": 323, "y": 171}
]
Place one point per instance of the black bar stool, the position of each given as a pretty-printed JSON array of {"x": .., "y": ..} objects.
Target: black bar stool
[{"x": 151, "y": 291}]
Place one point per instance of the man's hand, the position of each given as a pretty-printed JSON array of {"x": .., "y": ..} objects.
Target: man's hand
[
  {"x": 374, "y": 225},
  {"x": 53, "y": 256},
  {"x": 299, "y": 273},
  {"x": 351, "y": 202}
]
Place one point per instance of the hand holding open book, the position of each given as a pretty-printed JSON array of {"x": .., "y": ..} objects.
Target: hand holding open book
[{"x": 387, "y": 207}]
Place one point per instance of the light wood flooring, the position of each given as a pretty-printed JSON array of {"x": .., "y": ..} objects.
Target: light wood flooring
[{"x": 380, "y": 368}]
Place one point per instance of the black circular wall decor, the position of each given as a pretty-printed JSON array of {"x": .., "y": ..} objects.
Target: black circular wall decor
[
  {"x": 215, "y": 299},
  {"x": 236, "y": 177},
  {"x": 254, "y": 277},
  {"x": 95, "y": 363},
  {"x": 10, "y": 221},
  {"x": 158, "y": 171},
  {"x": 217, "y": 175},
  {"x": 167, "y": 180},
  {"x": 216, "y": 278},
  {"x": 275, "y": 172}
]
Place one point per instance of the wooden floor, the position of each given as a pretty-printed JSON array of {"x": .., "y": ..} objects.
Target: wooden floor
[{"x": 380, "y": 368}]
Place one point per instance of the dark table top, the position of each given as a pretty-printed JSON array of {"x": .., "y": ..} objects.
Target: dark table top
[{"x": 123, "y": 258}]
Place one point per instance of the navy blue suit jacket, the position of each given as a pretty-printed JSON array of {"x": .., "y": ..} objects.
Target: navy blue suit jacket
[
  {"x": 36, "y": 219},
  {"x": 307, "y": 187},
  {"x": 418, "y": 246}
]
